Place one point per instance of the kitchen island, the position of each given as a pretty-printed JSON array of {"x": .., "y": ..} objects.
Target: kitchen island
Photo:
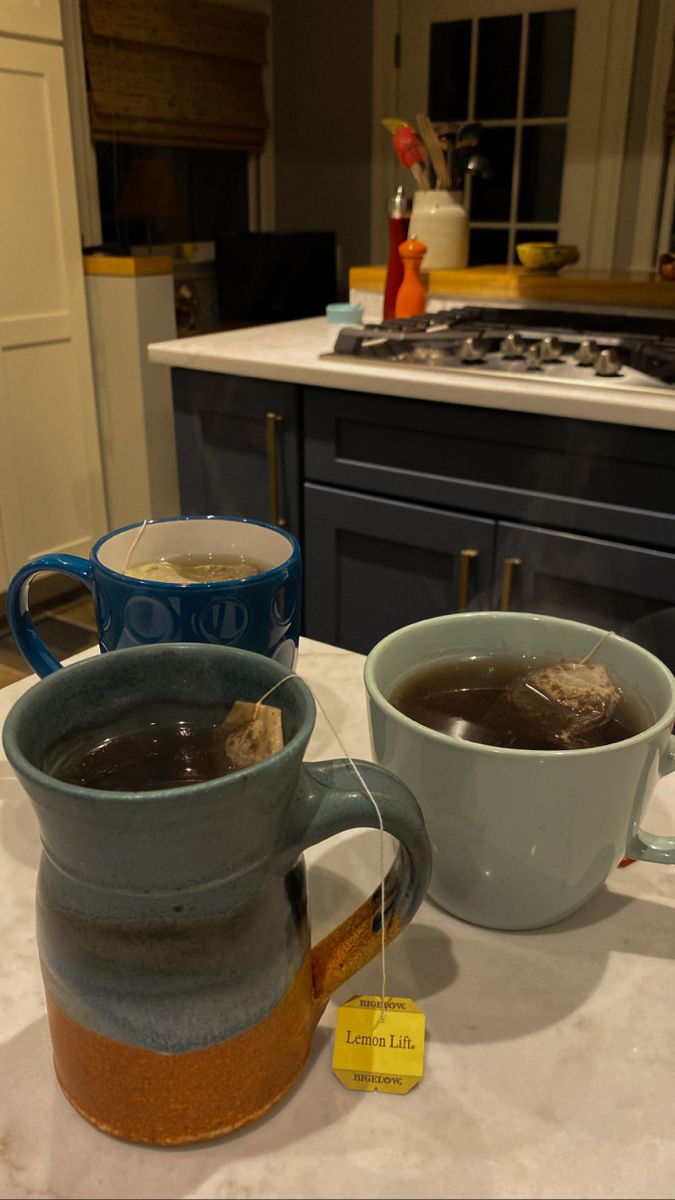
[
  {"x": 290, "y": 353},
  {"x": 549, "y": 1063},
  {"x": 417, "y": 492}
]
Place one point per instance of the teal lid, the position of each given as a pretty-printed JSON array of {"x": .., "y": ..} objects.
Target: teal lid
[{"x": 344, "y": 314}]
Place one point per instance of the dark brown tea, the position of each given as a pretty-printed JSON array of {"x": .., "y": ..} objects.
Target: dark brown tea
[
  {"x": 164, "y": 753},
  {"x": 470, "y": 699}
]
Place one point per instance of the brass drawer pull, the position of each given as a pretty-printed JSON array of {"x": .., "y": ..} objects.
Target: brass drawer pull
[
  {"x": 272, "y": 422},
  {"x": 509, "y": 567},
  {"x": 466, "y": 557}
]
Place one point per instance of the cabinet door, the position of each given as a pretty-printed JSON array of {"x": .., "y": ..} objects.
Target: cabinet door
[
  {"x": 373, "y": 565},
  {"x": 37, "y": 19},
  {"x": 237, "y": 447},
  {"x": 51, "y": 479},
  {"x": 615, "y": 586},
  {"x": 5, "y": 574}
]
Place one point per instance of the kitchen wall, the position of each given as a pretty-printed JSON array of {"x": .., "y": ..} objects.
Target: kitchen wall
[
  {"x": 629, "y": 253},
  {"x": 322, "y": 57},
  {"x": 323, "y": 126}
]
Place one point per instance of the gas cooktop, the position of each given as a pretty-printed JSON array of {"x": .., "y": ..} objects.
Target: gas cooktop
[{"x": 614, "y": 349}]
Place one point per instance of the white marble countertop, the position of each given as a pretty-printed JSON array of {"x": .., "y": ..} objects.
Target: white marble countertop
[
  {"x": 550, "y": 1060},
  {"x": 290, "y": 351}
]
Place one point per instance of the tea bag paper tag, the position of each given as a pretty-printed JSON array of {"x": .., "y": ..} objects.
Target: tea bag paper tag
[{"x": 371, "y": 1054}]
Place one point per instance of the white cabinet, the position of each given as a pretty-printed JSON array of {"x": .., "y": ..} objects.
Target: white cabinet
[
  {"x": 131, "y": 304},
  {"x": 51, "y": 483},
  {"x": 31, "y": 18}
]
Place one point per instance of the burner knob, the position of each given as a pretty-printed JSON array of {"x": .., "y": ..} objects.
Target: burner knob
[
  {"x": 512, "y": 346},
  {"x": 472, "y": 350},
  {"x": 550, "y": 348},
  {"x": 608, "y": 363},
  {"x": 586, "y": 352},
  {"x": 428, "y": 354},
  {"x": 533, "y": 357}
]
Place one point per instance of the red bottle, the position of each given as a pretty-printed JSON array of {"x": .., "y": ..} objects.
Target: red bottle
[{"x": 398, "y": 212}]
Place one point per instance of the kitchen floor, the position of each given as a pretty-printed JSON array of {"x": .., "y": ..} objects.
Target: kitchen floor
[{"x": 66, "y": 626}]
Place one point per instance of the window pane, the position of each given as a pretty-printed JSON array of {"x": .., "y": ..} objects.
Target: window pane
[
  {"x": 533, "y": 235},
  {"x": 488, "y": 246},
  {"x": 449, "y": 57},
  {"x": 498, "y": 59},
  {"x": 491, "y": 198},
  {"x": 549, "y": 63},
  {"x": 543, "y": 154},
  {"x": 159, "y": 194}
]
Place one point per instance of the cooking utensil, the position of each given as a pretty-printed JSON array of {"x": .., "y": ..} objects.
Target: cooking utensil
[
  {"x": 408, "y": 149},
  {"x": 435, "y": 150},
  {"x": 466, "y": 140}
]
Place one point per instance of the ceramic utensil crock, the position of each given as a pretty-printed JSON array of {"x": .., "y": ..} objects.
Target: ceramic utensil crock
[{"x": 439, "y": 220}]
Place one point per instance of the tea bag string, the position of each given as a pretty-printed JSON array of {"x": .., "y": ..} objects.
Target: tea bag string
[
  {"x": 133, "y": 546},
  {"x": 593, "y": 649},
  {"x": 373, "y": 801}
]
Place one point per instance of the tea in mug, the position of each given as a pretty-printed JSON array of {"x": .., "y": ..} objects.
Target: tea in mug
[
  {"x": 492, "y": 701},
  {"x": 153, "y": 750},
  {"x": 192, "y": 568}
]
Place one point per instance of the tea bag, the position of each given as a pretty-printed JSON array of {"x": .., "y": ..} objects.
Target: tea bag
[
  {"x": 565, "y": 705},
  {"x": 250, "y": 733}
]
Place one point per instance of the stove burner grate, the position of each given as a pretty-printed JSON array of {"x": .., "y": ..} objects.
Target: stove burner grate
[{"x": 464, "y": 337}]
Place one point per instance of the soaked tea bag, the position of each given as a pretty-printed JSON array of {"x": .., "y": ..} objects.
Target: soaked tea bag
[
  {"x": 250, "y": 733},
  {"x": 565, "y": 705}
]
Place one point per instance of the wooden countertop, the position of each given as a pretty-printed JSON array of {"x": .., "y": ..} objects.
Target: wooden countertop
[
  {"x": 127, "y": 266},
  {"x": 569, "y": 286}
]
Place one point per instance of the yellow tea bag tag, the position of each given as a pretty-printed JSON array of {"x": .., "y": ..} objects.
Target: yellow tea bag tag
[{"x": 374, "y": 1054}]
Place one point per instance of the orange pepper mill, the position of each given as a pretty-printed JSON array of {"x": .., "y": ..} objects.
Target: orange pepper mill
[{"x": 411, "y": 296}]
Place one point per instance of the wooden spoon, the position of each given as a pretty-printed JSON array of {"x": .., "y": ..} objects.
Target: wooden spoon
[{"x": 434, "y": 148}]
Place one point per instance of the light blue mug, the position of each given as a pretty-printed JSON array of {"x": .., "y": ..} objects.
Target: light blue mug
[
  {"x": 261, "y": 613},
  {"x": 522, "y": 838}
]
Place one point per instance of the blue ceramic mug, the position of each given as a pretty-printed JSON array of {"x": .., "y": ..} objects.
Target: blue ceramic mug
[
  {"x": 182, "y": 985},
  {"x": 259, "y": 613}
]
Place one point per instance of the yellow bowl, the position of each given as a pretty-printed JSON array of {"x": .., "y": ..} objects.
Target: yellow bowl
[{"x": 546, "y": 256}]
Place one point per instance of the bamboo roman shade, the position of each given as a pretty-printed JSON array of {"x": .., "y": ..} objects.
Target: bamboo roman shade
[{"x": 175, "y": 73}]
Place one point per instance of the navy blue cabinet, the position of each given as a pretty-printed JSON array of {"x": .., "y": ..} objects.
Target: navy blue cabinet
[
  {"x": 407, "y": 509},
  {"x": 571, "y": 518},
  {"x": 238, "y": 447},
  {"x": 373, "y": 565},
  {"x": 630, "y": 589}
]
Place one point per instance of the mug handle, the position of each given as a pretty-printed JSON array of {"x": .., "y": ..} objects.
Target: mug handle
[
  {"x": 330, "y": 801},
  {"x": 19, "y": 619},
  {"x": 653, "y": 847}
]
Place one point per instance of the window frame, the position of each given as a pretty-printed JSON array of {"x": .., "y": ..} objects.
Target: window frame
[{"x": 599, "y": 166}]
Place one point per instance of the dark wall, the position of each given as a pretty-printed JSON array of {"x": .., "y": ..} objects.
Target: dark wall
[{"x": 322, "y": 62}]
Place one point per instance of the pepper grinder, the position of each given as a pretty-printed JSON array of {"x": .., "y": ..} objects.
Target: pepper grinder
[
  {"x": 411, "y": 296},
  {"x": 398, "y": 214}
]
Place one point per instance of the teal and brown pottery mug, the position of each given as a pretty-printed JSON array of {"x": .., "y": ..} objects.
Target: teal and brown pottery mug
[
  {"x": 182, "y": 987},
  {"x": 261, "y": 612},
  {"x": 523, "y": 838}
]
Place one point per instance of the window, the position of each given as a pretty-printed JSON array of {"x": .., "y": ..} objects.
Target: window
[{"x": 512, "y": 73}]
